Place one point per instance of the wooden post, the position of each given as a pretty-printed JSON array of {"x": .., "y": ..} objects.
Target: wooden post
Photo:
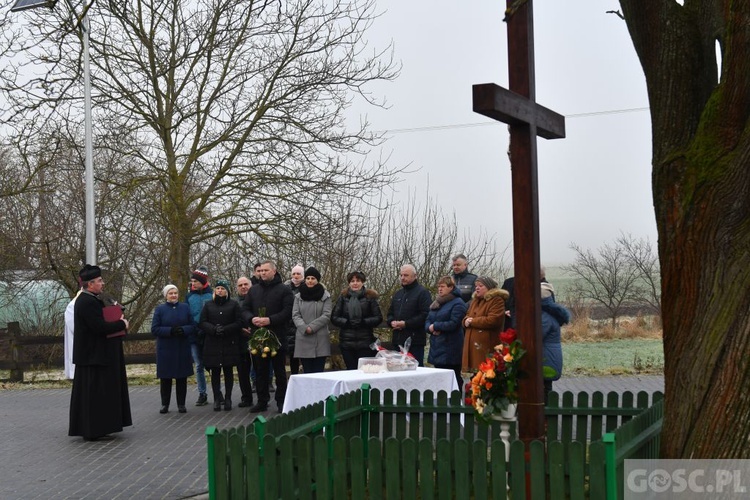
[
  {"x": 527, "y": 119},
  {"x": 14, "y": 330}
]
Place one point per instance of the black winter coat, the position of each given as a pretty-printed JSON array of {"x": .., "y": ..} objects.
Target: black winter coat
[
  {"x": 277, "y": 299},
  {"x": 291, "y": 331},
  {"x": 224, "y": 349},
  {"x": 410, "y": 304},
  {"x": 91, "y": 346},
  {"x": 360, "y": 335},
  {"x": 465, "y": 282}
]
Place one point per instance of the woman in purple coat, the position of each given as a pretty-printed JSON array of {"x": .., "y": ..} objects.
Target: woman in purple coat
[{"x": 174, "y": 329}]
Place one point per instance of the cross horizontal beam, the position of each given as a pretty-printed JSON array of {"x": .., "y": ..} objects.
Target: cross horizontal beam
[{"x": 506, "y": 106}]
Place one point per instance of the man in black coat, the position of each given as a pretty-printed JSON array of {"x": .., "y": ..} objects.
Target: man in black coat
[
  {"x": 245, "y": 366},
  {"x": 269, "y": 305},
  {"x": 510, "y": 303},
  {"x": 408, "y": 312},
  {"x": 99, "y": 402},
  {"x": 463, "y": 278}
]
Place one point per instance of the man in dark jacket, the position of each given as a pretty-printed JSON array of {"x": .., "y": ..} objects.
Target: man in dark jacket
[
  {"x": 245, "y": 366},
  {"x": 463, "y": 278},
  {"x": 510, "y": 303},
  {"x": 99, "y": 402},
  {"x": 408, "y": 312},
  {"x": 269, "y": 305}
]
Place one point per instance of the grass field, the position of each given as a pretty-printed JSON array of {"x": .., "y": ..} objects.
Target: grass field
[
  {"x": 613, "y": 357},
  {"x": 561, "y": 280}
]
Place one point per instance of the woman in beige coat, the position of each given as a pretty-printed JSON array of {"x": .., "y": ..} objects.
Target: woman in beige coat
[{"x": 483, "y": 322}]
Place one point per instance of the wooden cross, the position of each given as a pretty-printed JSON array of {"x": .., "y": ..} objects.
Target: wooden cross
[{"x": 527, "y": 119}]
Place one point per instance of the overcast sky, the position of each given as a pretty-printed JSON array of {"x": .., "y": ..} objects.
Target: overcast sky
[{"x": 593, "y": 185}]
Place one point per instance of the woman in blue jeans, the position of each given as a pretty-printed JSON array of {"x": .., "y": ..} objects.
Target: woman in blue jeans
[{"x": 200, "y": 293}]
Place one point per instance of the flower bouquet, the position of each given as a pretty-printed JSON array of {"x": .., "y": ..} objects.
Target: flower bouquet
[
  {"x": 495, "y": 385},
  {"x": 263, "y": 341}
]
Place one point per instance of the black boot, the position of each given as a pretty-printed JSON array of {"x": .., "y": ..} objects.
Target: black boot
[
  {"x": 259, "y": 407},
  {"x": 217, "y": 405},
  {"x": 227, "y": 404}
]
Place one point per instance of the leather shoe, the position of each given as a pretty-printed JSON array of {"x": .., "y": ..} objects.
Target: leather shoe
[
  {"x": 202, "y": 400},
  {"x": 217, "y": 405},
  {"x": 245, "y": 403},
  {"x": 259, "y": 407},
  {"x": 164, "y": 409},
  {"x": 227, "y": 404},
  {"x": 105, "y": 437},
  {"x": 182, "y": 409}
]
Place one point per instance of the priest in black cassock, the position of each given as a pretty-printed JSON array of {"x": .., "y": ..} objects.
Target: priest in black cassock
[{"x": 99, "y": 403}]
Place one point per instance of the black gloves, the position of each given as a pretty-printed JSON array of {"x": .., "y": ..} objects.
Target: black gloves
[
  {"x": 177, "y": 331},
  {"x": 219, "y": 330}
]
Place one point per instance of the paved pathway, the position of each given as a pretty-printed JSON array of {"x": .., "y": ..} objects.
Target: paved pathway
[{"x": 160, "y": 456}]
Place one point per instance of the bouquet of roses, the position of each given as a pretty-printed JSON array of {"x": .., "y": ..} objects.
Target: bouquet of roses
[
  {"x": 495, "y": 385},
  {"x": 263, "y": 341}
]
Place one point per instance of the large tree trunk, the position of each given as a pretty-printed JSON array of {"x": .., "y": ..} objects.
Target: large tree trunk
[
  {"x": 701, "y": 189},
  {"x": 182, "y": 230}
]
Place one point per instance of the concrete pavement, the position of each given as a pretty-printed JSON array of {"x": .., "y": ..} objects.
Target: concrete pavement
[{"x": 160, "y": 456}]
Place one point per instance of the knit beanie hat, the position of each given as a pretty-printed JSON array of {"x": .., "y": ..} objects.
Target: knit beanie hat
[
  {"x": 200, "y": 274},
  {"x": 167, "y": 288},
  {"x": 301, "y": 270},
  {"x": 224, "y": 283},
  {"x": 487, "y": 281},
  {"x": 311, "y": 271}
]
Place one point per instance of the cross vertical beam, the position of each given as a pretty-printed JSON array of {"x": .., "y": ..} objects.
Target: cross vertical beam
[
  {"x": 518, "y": 108},
  {"x": 526, "y": 254}
]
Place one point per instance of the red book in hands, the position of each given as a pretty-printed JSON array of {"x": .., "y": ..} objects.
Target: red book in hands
[{"x": 113, "y": 313}]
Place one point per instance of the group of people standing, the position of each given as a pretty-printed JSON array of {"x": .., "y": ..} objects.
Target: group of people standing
[
  {"x": 219, "y": 327},
  {"x": 210, "y": 330}
]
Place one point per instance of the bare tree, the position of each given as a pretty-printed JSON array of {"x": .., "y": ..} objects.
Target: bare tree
[
  {"x": 642, "y": 255},
  {"x": 608, "y": 278},
  {"x": 236, "y": 108}
]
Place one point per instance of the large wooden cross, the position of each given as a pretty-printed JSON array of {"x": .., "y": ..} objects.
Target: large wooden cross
[{"x": 527, "y": 119}]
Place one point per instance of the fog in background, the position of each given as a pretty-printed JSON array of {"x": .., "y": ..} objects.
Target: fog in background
[{"x": 593, "y": 185}]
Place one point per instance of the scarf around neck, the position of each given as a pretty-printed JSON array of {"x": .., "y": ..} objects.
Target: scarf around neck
[
  {"x": 311, "y": 294},
  {"x": 440, "y": 300}
]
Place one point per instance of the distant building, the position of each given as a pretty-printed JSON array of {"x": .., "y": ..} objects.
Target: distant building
[{"x": 38, "y": 305}]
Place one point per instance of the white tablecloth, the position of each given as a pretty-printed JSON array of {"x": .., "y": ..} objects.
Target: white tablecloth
[{"x": 305, "y": 389}]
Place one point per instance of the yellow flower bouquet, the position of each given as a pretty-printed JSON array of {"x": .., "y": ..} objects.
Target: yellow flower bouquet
[{"x": 263, "y": 341}]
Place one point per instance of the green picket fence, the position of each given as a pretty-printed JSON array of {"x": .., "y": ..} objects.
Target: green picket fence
[
  {"x": 365, "y": 444},
  {"x": 639, "y": 438}
]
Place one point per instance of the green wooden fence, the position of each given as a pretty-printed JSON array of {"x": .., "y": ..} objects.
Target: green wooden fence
[
  {"x": 365, "y": 444},
  {"x": 639, "y": 438}
]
